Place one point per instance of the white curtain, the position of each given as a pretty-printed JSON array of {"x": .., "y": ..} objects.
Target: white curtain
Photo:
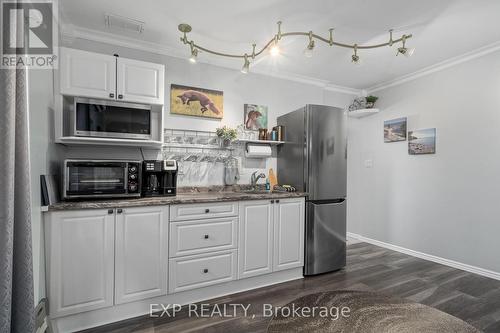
[{"x": 16, "y": 267}]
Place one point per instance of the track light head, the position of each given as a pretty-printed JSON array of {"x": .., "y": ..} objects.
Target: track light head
[
  {"x": 275, "y": 49},
  {"x": 194, "y": 54},
  {"x": 407, "y": 52},
  {"x": 355, "y": 58},
  {"x": 308, "y": 52},
  {"x": 246, "y": 66}
]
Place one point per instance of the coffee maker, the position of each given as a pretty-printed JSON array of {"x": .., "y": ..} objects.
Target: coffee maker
[{"x": 159, "y": 178}]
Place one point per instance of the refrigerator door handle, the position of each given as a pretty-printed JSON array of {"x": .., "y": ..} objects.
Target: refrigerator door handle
[{"x": 327, "y": 201}]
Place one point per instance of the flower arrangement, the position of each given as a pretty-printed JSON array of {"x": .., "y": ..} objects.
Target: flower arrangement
[{"x": 226, "y": 135}]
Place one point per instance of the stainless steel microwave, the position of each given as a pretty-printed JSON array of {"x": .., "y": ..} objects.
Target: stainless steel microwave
[
  {"x": 101, "y": 179},
  {"x": 110, "y": 119}
]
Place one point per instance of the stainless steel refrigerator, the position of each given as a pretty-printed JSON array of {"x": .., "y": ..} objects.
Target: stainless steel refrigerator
[{"x": 314, "y": 160}]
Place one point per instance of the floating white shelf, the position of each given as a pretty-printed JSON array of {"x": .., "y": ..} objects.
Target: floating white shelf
[
  {"x": 267, "y": 142},
  {"x": 361, "y": 113},
  {"x": 76, "y": 140}
]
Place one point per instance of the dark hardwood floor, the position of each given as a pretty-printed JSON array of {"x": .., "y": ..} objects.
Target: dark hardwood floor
[{"x": 471, "y": 297}]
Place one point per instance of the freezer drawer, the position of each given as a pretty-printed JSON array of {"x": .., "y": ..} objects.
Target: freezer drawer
[{"x": 325, "y": 249}]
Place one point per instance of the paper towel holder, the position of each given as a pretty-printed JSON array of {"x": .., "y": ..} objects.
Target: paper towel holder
[{"x": 258, "y": 150}]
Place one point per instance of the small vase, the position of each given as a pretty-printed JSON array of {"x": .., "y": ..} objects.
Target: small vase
[{"x": 224, "y": 143}]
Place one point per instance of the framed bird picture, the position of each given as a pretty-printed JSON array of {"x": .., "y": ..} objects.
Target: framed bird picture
[{"x": 198, "y": 102}]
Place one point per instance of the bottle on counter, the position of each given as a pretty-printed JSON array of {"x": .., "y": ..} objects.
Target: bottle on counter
[{"x": 268, "y": 184}]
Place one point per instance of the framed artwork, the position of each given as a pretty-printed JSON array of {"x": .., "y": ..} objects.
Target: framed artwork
[
  {"x": 422, "y": 141},
  {"x": 255, "y": 116},
  {"x": 395, "y": 130},
  {"x": 199, "y": 102}
]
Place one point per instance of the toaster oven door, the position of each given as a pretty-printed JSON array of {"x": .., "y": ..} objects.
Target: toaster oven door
[{"x": 100, "y": 179}]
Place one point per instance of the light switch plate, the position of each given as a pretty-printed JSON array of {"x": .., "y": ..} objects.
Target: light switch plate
[{"x": 369, "y": 164}]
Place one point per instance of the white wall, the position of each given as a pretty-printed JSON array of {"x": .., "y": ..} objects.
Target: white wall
[
  {"x": 44, "y": 155},
  {"x": 447, "y": 204},
  {"x": 281, "y": 96}
]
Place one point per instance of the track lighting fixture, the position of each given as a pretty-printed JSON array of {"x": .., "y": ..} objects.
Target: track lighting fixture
[
  {"x": 194, "y": 53},
  {"x": 355, "y": 58},
  {"x": 246, "y": 65},
  {"x": 308, "y": 52},
  {"x": 274, "y": 49},
  {"x": 407, "y": 52}
]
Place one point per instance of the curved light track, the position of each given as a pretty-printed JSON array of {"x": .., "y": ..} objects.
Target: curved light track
[{"x": 186, "y": 28}]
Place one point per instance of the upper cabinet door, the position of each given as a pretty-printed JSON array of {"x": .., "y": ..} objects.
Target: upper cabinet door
[
  {"x": 141, "y": 253},
  {"x": 255, "y": 253},
  {"x": 139, "y": 81},
  {"x": 80, "y": 246},
  {"x": 288, "y": 234},
  {"x": 87, "y": 74}
]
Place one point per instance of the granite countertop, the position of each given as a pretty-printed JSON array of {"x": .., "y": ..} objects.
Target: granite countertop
[{"x": 184, "y": 196}]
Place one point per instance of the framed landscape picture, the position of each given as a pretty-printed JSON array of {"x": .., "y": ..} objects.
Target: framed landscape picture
[
  {"x": 422, "y": 141},
  {"x": 395, "y": 130},
  {"x": 255, "y": 116},
  {"x": 199, "y": 102}
]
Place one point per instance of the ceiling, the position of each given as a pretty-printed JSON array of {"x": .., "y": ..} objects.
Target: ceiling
[{"x": 442, "y": 29}]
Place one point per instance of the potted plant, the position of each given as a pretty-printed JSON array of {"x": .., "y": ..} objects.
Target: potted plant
[
  {"x": 226, "y": 135},
  {"x": 370, "y": 101}
]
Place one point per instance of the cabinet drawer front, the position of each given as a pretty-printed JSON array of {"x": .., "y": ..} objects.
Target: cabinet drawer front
[
  {"x": 201, "y": 271},
  {"x": 201, "y": 211},
  {"x": 193, "y": 237}
]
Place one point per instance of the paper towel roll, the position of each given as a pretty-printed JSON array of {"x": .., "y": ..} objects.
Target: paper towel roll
[{"x": 258, "y": 151}]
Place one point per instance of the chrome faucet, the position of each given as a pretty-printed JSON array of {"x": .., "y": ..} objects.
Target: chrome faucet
[{"x": 255, "y": 178}]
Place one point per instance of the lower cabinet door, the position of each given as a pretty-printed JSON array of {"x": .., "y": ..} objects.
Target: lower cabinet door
[
  {"x": 141, "y": 258},
  {"x": 198, "y": 271},
  {"x": 288, "y": 234},
  {"x": 255, "y": 249},
  {"x": 80, "y": 248}
]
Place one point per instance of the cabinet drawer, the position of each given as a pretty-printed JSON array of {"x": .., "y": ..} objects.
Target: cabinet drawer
[
  {"x": 193, "y": 237},
  {"x": 201, "y": 211},
  {"x": 202, "y": 270}
]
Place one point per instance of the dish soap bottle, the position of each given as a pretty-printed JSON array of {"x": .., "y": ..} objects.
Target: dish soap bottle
[{"x": 268, "y": 184}]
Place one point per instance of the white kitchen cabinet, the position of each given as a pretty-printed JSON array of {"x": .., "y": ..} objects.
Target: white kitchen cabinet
[
  {"x": 139, "y": 81},
  {"x": 80, "y": 247},
  {"x": 141, "y": 257},
  {"x": 288, "y": 234},
  {"x": 87, "y": 74},
  {"x": 255, "y": 250},
  {"x": 90, "y": 74}
]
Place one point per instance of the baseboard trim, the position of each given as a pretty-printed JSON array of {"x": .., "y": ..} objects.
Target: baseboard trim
[{"x": 421, "y": 255}]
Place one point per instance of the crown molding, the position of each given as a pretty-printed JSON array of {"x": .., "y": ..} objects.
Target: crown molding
[
  {"x": 343, "y": 89},
  {"x": 70, "y": 32},
  {"x": 480, "y": 52}
]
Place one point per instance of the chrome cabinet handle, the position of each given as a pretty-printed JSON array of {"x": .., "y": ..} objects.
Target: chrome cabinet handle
[
  {"x": 205, "y": 270},
  {"x": 272, "y": 201},
  {"x": 110, "y": 211},
  {"x": 119, "y": 210},
  {"x": 206, "y": 236},
  {"x": 111, "y": 95},
  {"x": 207, "y": 210},
  {"x": 277, "y": 201},
  {"x": 120, "y": 96}
]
